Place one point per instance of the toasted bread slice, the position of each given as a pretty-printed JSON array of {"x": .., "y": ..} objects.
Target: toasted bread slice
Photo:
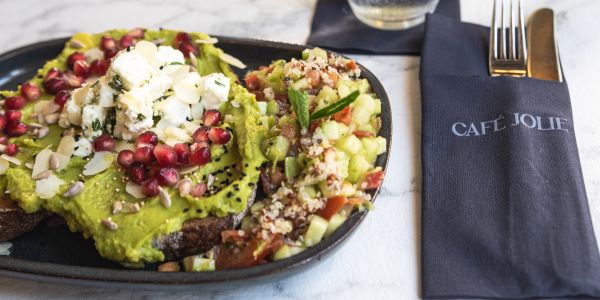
[{"x": 14, "y": 221}]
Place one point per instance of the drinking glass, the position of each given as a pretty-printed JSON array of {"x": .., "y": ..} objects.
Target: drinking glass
[{"x": 392, "y": 14}]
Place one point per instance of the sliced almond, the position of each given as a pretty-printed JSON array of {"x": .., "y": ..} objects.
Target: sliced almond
[
  {"x": 123, "y": 145},
  {"x": 50, "y": 108},
  {"x": 109, "y": 224},
  {"x": 178, "y": 134},
  {"x": 147, "y": 50},
  {"x": 48, "y": 187},
  {"x": 165, "y": 198},
  {"x": 185, "y": 187},
  {"x": 3, "y": 165},
  {"x": 133, "y": 208},
  {"x": 94, "y": 54},
  {"x": 99, "y": 163},
  {"x": 232, "y": 61},
  {"x": 74, "y": 190},
  {"x": 51, "y": 118},
  {"x": 190, "y": 127},
  {"x": 66, "y": 146},
  {"x": 210, "y": 40},
  {"x": 187, "y": 93},
  {"x": 134, "y": 190},
  {"x": 11, "y": 159},
  {"x": 63, "y": 161},
  {"x": 42, "y": 162}
]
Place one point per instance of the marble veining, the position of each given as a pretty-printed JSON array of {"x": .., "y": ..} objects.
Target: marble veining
[{"x": 381, "y": 260}]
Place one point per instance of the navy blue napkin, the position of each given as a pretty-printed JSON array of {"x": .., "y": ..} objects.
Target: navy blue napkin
[
  {"x": 504, "y": 207},
  {"x": 335, "y": 27}
]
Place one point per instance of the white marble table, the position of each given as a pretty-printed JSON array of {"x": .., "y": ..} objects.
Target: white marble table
[{"x": 382, "y": 259}]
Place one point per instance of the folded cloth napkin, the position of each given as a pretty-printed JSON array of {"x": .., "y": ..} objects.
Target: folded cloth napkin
[
  {"x": 504, "y": 211},
  {"x": 335, "y": 27}
]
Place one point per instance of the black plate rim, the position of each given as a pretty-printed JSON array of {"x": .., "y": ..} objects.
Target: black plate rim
[{"x": 90, "y": 276}]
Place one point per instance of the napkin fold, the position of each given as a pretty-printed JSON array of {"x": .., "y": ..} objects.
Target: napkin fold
[
  {"x": 335, "y": 27},
  {"x": 504, "y": 207}
]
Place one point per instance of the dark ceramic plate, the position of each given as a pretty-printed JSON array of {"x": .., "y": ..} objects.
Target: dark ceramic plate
[{"x": 54, "y": 254}]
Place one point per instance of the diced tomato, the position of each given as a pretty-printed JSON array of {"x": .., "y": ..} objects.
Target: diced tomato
[
  {"x": 260, "y": 68},
  {"x": 344, "y": 116},
  {"x": 260, "y": 96},
  {"x": 373, "y": 180},
  {"x": 233, "y": 257},
  {"x": 333, "y": 205},
  {"x": 314, "y": 125},
  {"x": 333, "y": 76},
  {"x": 273, "y": 244},
  {"x": 230, "y": 236},
  {"x": 314, "y": 77},
  {"x": 362, "y": 133},
  {"x": 350, "y": 65},
  {"x": 252, "y": 82}
]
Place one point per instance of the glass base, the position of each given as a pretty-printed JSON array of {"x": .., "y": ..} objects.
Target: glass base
[
  {"x": 392, "y": 25},
  {"x": 392, "y": 15}
]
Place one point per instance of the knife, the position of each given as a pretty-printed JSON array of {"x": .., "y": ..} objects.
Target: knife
[{"x": 543, "y": 62}]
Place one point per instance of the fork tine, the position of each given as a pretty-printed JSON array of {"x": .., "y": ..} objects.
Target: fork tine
[
  {"x": 511, "y": 33},
  {"x": 502, "y": 32},
  {"x": 493, "y": 35},
  {"x": 522, "y": 37}
]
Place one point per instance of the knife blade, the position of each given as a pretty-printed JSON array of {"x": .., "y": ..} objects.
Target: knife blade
[{"x": 543, "y": 62}]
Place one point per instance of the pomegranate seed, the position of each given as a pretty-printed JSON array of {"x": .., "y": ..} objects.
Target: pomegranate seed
[
  {"x": 200, "y": 156},
  {"x": 150, "y": 187},
  {"x": 187, "y": 48},
  {"x": 16, "y": 129},
  {"x": 108, "y": 54},
  {"x": 126, "y": 41},
  {"x": 153, "y": 171},
  {"x": 105, "y": 142},
  {"x": 2, "y": 122},
  {"x": 211, "y": 117},
  {"x": 201, "y": 134},
  {"x": 198, "y": 190},
  {"x": 148, "y": 137},
  {"x": 219, "y": 135},
  {"x": 183, "y": 153},
  {"x": 12, "y": 149},
  {"x": 197, "y": 145},
  {"x": 30, "y": 91},
  {"x": 13, "y": 116},
  {"x": 81, "y": 69},
  {"x": 125, "y": 158},
  {"x": 181, "y": 38},
  {"x": 76, "y": 56},
  {"x": 144, "y": 155},
  {"x": 74, "y": 81},
  {"x": 137, "y": 33},
  {"x": 54, "y": 85},
  {"x": 53, "y": 73},
  {"x": 15, "y": 102},
  {"x": 3, "y": 140},
  {"x": 62, "y": 97},
  {"x": 98, "y": 67},
  {"x": 136, "y": 172},
  {"x": 107, "y": 43},
  {"x": 167, "y": 177},
  {"x": 165, "y": 155}
]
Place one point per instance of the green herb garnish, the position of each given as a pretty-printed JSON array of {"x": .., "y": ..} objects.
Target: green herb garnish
[
  {"x": 219, "y": 83},
  {"x": 175, "y": 63},
  {"x": 96, "y": 125},
  {"x": 116, "y": 83},
  {"x": 140, "y": 117},
  {"x": 299, "y": 102},
  {"x": 335, "y": 107}
]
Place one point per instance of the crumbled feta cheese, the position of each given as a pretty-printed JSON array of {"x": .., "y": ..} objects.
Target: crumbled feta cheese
[
  {"x": 167, "y": 55},
  {"x": 92, "y": 120},
  {"x": 132, "y": 69},
  {"x": 73, "y": 112},
  {"x": 105, "y": 95},
  {"x": 215, "y": 90},
  {"x": 83, "y": 147},
  {"x": 174, "y": 110},
  {"x": 197, "y": 111},
  {"x": 188, "y": 88}
]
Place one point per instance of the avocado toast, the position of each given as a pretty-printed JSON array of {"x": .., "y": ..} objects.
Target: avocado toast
[{"x": 135, "y": 188}]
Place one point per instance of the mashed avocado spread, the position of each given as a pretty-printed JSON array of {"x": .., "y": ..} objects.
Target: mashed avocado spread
[{"x": 131, "y": 243}]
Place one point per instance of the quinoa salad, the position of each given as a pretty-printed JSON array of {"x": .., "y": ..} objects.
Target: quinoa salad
[{"x": 148, "y": 143}]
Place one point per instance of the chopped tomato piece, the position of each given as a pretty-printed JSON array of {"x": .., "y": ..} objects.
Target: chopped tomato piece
[
  {"x": 230, "y": 236},
  {"x": 362, "y": 133},
  {"x": 230, "y": 256},
  {"x": 252, "y": 82},
  {"x": 260, "y": 96},
  {"x": 272, "y": 245},
  {"x": 344, "y": 116},
  {"x": 333, "y": 205},
  {"x": 373, "y": 180},
  {"x": 350, "y": 65},
  {"x": 314, "y": 125}
]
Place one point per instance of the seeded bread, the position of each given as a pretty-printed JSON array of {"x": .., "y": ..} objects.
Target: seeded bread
[
  {"x": 198, "y": 235},
  {"x": 14, "y": 221}
]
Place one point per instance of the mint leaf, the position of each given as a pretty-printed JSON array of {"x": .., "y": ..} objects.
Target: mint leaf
[
  {"x": 299, "y": 102},
  {"x": 335, "y": 107}
]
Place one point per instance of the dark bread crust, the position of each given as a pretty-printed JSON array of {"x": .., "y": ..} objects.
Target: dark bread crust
[
  {"x": 198, "y": 235},
  {"x": 14, "y": 221}
]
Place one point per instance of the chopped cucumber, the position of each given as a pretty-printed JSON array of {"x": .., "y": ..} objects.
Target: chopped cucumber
[
  {"x": 365, "y": 101},
  {"x": 334, "y": 223},
  {"x": 382, "y": 142},
  {"x": 315, "y": 232},
  {"x": 301, "y": 85},
  {"x": 276, "y": 148},
  {"x": 330, "y": 130},
  {"x": 286, "y": 251},
  {"x": 377, "y": 105},
  {"x": 343, "y": 129},
  {"x": 305, "y": 54},
  {"x": 358, "y": 167},
  {"x": 346, "y": 190},
  {"x": 362, "y": 85},
  {"x": 256, "y": 207},
  {"x": 372, "y": 148},
  {"x": 198, "y": 263},
  {"x": 272, "y": 107},
  {"x": 318, "y": 52},
  {"x": 360, "y": 115},
  {"x": 291, "y": 168},
  {"x": 349, "y": 144},
  {"x": 262, "y": 107},
  {"x": 307, "y": 193},
  {"x": 328, "y": 95},
  {"x": 343, "y": 91},
  {"x": 277, "y": 74}
]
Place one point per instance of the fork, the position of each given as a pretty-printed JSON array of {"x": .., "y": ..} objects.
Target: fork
[{"x": 508, "y": 55}]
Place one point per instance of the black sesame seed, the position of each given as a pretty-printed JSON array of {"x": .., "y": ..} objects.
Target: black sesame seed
[
  {"x": 238, "y": 199},
  {"x": 198, "y": 211},
  {"x": 229, "y": 194},
  {"x": 161, "y": 67},
  {"x": 251, "y": 184},
  {"x": 186, "y": 210},
  {"x": 218, "y": 159},
  {"x": 128, "y": 48}
]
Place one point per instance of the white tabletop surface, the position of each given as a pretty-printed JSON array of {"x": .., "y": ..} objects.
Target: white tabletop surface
[{"x": 381, "y": 260}]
